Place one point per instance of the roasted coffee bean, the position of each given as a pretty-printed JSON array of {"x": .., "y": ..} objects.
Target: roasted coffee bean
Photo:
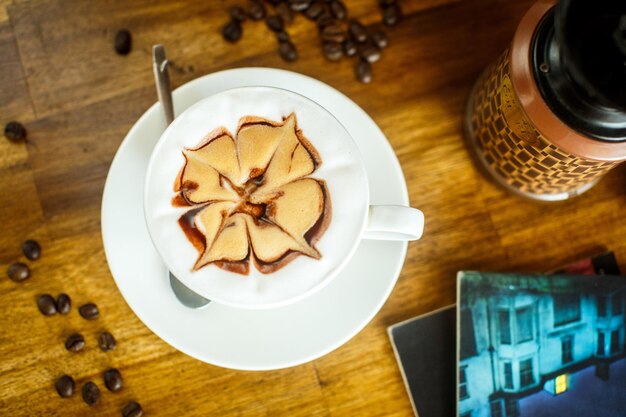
[
  {"x": 357, "y": 31},
  {"x": 75, "y": 342},
  {"x": 14, "y": 131},
  {"x": 65, "y": 386},
  {"x": 132, "y": 409},
  {"x": 282, "y": 36},
  {"x": 332, "y": 51},
  {"x": 237, "y": 13},
  {"x": 324, "y": 20},
  {"x": 299, "y": 5},
  {"x": 113, "y": 380},
  {"x": 231, "y": 31},
  {"x": 89, "y": 311},
  {"x": 18, "y": 272},
  {"x": 275, "y": 23},
  {"x": 46, "y": 305},
  {"x": 349, "y": 48},
  {"x": 91, "y": 393},
  {"x": 338, "y": 9},
  {"x": 315, "y": 10},
  {"x": 369, "y": 53},
  {"x": 380, "y": 39},
  {"x": 106, "y": 341},
  {"x": 123, "y": 42},
  {"x": 256, "y": 10},
  {"x": 392, "y": 15},
  {"x": 31, "y": 249},
  {"x": 363, "y": 71},
  {"x": 64, "y": 303},
  {"x": 287, "y": 51},
  {"x": 285, "y": 12},
  {"x": 333, "y": 33}
]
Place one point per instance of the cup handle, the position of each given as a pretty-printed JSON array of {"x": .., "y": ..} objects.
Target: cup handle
[{"x": 394, "y": 223}]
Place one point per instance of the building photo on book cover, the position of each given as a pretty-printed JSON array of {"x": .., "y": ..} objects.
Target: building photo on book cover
[{"x": 541, "y": 345}]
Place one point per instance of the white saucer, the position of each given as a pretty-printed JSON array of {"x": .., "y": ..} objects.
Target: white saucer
[{"x": 237, "y": 338}]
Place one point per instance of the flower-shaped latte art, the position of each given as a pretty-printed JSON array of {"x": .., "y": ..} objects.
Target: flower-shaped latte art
[{"x": 251, "y": 197}]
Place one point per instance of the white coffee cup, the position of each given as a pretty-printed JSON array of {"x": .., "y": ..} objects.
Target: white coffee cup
[{"x": 342, "y": 170}]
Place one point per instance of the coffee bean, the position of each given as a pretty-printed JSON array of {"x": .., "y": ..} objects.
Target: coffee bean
[
  {"x": 324, "y": 20},
  {"x": 75, "y": 342},
  {"x": 392, "y": 15},
  {"x": 349, "y": 48},
  {"x": 231, "y": 32},
  {"x": 18, "y": 272},
  {"x": 65, "y": 386},
  {"x": 357, "y": 31},
  {"x": 256, "y": 10},
  {"x": 380, "y": 39},
  {"x": 299, "y": 5},
  {"x": 46, "y": 305},
  {"x": 287, "y": 51},
  {"x": 285, "y": 12},
  {"x": 282, "y": 36},
  {"x": 89, "y": 311},
  {"x": 14, "y": 131},
  {"x": 106, "y": 341},
  {"x": 338, "y": 9},
  {"x": 31, "y": 249},
  {"x": 113, "y": 380},
  {"x": 333, "y": 33},
  {"x": 132, "y": 409},
  {"x": 237, "y": 13},
  {"x": 123, "y": 42},
  {"x": 363, "y": 71},
  {"x": 314, "y": 10},
  {"x": 369, "y": 53},
  {"x": 91, "y": 393},
  {"x": 332, "y": 51},
  {"x": 64, "y": 303},
  {"x": 275, "y": 23}
]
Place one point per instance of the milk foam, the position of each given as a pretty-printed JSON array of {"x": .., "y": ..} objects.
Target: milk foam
[{"x": 341, "y": 168}]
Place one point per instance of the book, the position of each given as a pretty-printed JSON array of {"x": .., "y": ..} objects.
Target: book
[{"x": 428, "y": 364}]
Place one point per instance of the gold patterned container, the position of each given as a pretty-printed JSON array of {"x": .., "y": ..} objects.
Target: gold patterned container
[{"x": 519, "y": 140}]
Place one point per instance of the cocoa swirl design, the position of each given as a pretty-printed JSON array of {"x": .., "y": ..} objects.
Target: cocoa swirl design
[{"x": 251, "y": 197}]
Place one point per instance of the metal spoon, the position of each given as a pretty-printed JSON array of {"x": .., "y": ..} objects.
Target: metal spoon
[{"x": 187, "y": 297}]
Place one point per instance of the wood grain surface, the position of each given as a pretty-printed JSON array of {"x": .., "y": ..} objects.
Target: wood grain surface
[{"x": 60, "y": 76}]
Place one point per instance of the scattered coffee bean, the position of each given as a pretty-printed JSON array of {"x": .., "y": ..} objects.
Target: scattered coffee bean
[
  {"x": 392, "y": 15},
  {"x": 123, "y": 42},
  {"x": 314, "y": 10},
  {"x": 14, "y": 131},
  {"x": 18, "y": 272},
  {"x": 64, "y": 303},
  {"x": 275, "y": 23},
  {"x": 363, "y": 71},
  {"x": 75, "y": 342},
  {"x": 357, "y": 31},
  {"x": 31, "y": 249},
  {"x": 333, "y": 33},
  {"x": 349, "y": 48},
  {"x": 106, "y": 341},
  {"x": 91, "y": 393},
  {"x": 256, "y": 10},
  {"x": 46, "y": 305},
  {"x": 284, "y": 11},
  {"x": 65, "y": 386},
  {"x": 237, "y": 13},
  {"x": 338, "y": 9},
  {"x": 231, "y": 31},
  {"x": 332, "y": 51},
  {"x": 380, "y": 39},
  {"x": 287, "y": 51},
  {"x": 299, "y": 5},
  {"x": 89, "y": 311},
  {"x": 132, "y": 409},
  {"x": 369, "y": 53},
  {"x": 113, "y": 380},
  {"x": 324, "y": 20},
  {"x": 282, "y": 36}
]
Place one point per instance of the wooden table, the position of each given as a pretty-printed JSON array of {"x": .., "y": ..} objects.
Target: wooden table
[{"x": 77, "y": 98}]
